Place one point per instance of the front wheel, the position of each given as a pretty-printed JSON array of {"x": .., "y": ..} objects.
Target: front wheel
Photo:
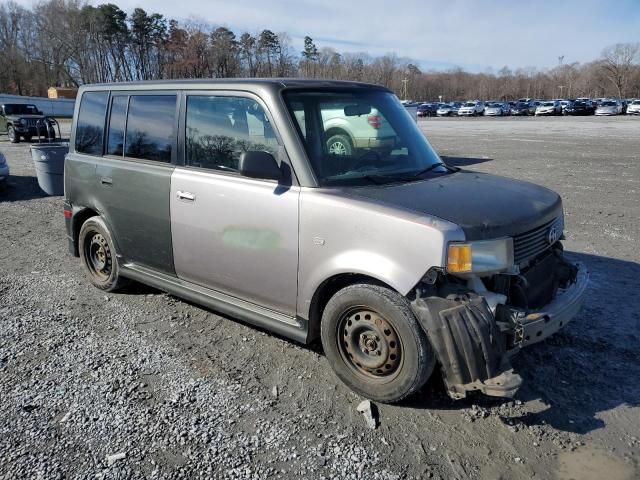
[
  {"x": 99, "y": 256},
  {"x": 374, "y": 343},
  {"x": 13, "y": 136}
]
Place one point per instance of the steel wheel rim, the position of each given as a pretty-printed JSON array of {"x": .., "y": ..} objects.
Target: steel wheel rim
[
  {"x": 11, "y": 133},
  {"x": 369, "y": 345},
  {"x": 98, "y": 256},
  {"x": 338, "y": 148}
]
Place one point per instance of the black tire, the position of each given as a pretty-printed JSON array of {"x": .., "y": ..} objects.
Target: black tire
[
  {"x": 99, "y": 256},
  {"x": 374, "y": 343},
  {"x": 13, "y": 136},
  {"x": 339, "y": 144}
]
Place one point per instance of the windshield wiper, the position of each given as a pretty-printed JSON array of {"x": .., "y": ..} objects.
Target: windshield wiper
[{"x": 432, "y": 167}]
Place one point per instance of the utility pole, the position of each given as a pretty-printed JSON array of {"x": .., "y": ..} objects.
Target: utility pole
[
  {"x": 561, "y": 87},
  {"x": 405, "y": 80}
]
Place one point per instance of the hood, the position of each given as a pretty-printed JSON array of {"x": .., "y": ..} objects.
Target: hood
[
  {"x": 26, "y": 115},
  {"x": 484, "y": 206}
]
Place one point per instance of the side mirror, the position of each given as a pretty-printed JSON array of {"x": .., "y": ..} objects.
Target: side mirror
[{"x": 259, "y": 164}]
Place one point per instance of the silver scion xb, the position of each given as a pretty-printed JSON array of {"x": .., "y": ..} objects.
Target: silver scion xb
[{"x": 232, "y": 194}]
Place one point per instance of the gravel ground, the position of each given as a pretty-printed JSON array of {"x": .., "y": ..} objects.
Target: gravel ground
[{"x": 143, "y": 385}]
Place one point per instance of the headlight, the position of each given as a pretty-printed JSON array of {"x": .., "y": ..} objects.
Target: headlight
[
  {"x": 22, "y": 121},
  {"x": 485, "y": 256}
]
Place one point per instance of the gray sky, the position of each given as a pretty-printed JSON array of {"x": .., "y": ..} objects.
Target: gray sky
[{"x": 473, "y": 34}]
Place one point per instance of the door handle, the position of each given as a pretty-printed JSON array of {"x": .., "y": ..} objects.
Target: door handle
[
  {"x": 185, "y": 196},
  {"x": 106, "y": 181}
]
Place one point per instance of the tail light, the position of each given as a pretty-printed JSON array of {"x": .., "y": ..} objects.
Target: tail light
[
  {"x": 67, "y": 211},
  {"x": 375, "y": 121}
]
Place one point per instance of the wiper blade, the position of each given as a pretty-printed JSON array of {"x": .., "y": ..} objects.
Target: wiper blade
[{"x": 433, "y": 167}]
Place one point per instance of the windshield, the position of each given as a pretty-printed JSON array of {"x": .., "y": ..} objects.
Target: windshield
[
  {"x": 548, "y": 104},
  {"x": 635, "y": 102},
  {"x": 20, "y": 109},
  {"x": 355, "y": 136},
  {"x": 609, "y": 104}
]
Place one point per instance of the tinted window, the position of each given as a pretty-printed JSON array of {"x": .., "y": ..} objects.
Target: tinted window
[
  {"x": 219, "y": 129},
  {"x": 150, "y": 127},
  {"x": 90, "y": 125},
  {"x": 116, "y": 125}
]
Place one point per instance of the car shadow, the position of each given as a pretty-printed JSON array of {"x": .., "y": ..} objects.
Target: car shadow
[
  {"x": 464, "y": 161},
  {"x": 590, "y": 367},
  {"x": 20, "y": 188}
]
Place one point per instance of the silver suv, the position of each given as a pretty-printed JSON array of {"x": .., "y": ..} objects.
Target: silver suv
[{"x": 231, "y": 194}]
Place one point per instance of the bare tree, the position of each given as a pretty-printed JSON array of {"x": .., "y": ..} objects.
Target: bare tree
[{"x": 617, "y": 63}]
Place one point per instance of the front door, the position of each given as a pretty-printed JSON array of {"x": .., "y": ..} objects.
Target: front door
[{"x": 230, "y": 233}]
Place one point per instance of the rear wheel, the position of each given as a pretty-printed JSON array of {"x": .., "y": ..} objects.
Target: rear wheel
[
  {"x": 13, "y": 136},
  {"x": 99, "y": 256},
  {"x": 374, "y": 343},
  {"x": 339, "y": 144}
]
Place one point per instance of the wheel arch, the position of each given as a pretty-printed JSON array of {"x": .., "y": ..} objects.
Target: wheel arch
[
  {"x": 79, "y": 218},
  {"x": 339, "y": 130},
  {"x": 327, "y": 289}
]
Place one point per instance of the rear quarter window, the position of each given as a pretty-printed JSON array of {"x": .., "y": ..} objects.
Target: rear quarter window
[{"x": 90, "y": 124}]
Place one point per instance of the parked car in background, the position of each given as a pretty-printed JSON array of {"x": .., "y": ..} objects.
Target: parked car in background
[
  {"x": 471, "y": 109},
  {"x": 520, "y": 109},
  {"x": 609, "y": 107},
  {"x": 564, "y": 104},
  {"x": 634, "y": 108},
  {"x": 580, "y": 107},
  {"x": 624, "y": 105},
  {"x": 427, "y": 109},
  {"x": 457, "y": 271},
  {"x": 533, "y": 105},
  {"x": 449, "y": 109},
  {"x": 19, "y": 120},
  {"x": 495, "y": 109},
  {"x": 550, "y": 107},
  {"x": 4, "y": 171}
]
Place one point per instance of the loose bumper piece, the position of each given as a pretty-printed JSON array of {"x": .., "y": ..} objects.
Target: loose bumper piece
[{"x": 468, "y": 345}]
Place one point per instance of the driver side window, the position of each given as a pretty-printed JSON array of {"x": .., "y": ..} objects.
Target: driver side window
[{"x": 220, "y": 129}]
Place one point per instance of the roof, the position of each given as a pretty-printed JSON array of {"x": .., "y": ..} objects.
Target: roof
[{"x": 245, "y": 83}]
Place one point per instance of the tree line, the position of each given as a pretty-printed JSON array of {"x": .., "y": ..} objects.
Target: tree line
[{"x": 70, "y": 43}]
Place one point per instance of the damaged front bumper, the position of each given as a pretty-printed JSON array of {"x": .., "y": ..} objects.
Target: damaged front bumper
[
  {"x": 533, "y": 327},
  {"x": 471, "y": 346}
]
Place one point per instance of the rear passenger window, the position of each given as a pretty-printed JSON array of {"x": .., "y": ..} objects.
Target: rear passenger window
[
  {"x": 115, "y": 143},
  {"x": 150, "y": 127},
  {"x": 219, "y": 129},
  {"x": 90, "y": 124}
]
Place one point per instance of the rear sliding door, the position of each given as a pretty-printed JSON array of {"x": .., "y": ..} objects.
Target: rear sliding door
[{"x": 133, "y": 178}]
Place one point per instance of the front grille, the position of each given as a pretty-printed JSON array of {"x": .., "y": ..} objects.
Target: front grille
[
  {"x": 532, "y": 243},
  {"x": 31, "y": 122}
]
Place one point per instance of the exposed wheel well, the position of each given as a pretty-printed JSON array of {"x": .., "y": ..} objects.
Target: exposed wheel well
[
  {"x": 328, "y": 289},
  {"x": 78, "y": 220},
  {"x": 338, "y": 131}
]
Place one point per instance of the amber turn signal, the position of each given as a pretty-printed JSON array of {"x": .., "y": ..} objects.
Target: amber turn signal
[{"x": 459, "y": 258}]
